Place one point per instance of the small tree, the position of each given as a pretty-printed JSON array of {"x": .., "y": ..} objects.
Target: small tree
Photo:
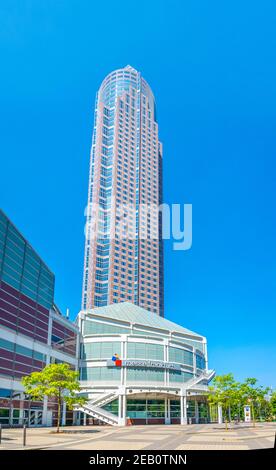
[
  {"x": 273, "y": 404},
  {"x": 225, "y": 393},
  {"x": 265, "y": 409},
  {"x": 55, "y": 380},
  {"x": 253, "y": 395}
]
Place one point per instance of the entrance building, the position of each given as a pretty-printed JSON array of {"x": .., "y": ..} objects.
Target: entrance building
[{"x": 137, "y": 367}]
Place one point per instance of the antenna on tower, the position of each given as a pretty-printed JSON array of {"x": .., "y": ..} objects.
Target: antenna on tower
[{"x": 67, "y": 313}]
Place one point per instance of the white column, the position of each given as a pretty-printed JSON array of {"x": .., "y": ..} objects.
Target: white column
[
  {"x": 76, "y": 418},
  {"x": 166, "y": 409},
  {"x": 84, "y": 419},
  {"x": 123, "y": 356},
  {"x": 122, "y": 409},
  {"x": 220, "y": 420},
  {"x": 166, "y": 359},
  {"x": 196, "y": 412},
  {"x": 183, "y": 408},
  {"x": 50, "y": 326},
  {"x": 194, "y": 361},
  {"x": 205, "y": 353},
  {"x": 63, "y": 417},
  {"x": 21, "y": 410},
  {"x": 45, "y": 412}
]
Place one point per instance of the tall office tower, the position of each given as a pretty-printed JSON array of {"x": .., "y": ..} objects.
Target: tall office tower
[{"x": 123, "y": 258}]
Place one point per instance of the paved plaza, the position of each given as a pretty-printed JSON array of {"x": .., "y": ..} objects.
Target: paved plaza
[{"x": 173, "y": 437}]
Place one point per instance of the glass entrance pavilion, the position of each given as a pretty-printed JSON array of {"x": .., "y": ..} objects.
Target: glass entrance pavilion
[{"x": 139, "y": 368}]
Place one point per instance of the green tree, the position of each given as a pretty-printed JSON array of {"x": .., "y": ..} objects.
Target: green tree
[
  {"x": 225, "y": 393},
  {"x": 253, "y": 395},
  {"x": 273, "y": 403},
  {"x": 265, "y": 410},
  {"x": 55, "y": 380}
]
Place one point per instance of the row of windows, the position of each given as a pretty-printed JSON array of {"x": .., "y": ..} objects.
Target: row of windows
[
  {"x": 180, "y": 355},
  {"x": 94, "y": 328},
  {"x": 22, "y": 268},
  {"x": 12, "y": 347},
  {"x": 133, "y": 375},
  {"x": 140, "y": 408},
  {"x": 145, "y": 351},
  {"x": 148, "y": 351},
  {"x": 200, "y": 362},
  {"x": 9, "y": 416},
  {"x": 100, "y": 350},
  {"x": 18, "y": 246}
]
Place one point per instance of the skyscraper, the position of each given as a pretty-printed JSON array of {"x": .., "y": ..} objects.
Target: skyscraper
[{"x": 123, "y": 258}]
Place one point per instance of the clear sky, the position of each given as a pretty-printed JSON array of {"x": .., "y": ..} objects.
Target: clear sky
[{"x": 211, "y": 65}]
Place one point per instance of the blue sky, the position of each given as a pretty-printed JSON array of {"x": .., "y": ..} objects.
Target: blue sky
[{"x": 211, "y": 66}]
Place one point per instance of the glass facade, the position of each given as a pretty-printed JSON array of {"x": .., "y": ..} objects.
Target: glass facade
[
  {"x": 9, "y": 416},
  {"x": 200, "y": 362},
  {"x": 180, "y": 376},
  {"x": 154, "y": 365},
  {"x": 28, "y": 320},
  {"x": 101, "y": 350},
  {"x": 22, "y": 268},
  {"x": 139, "y": 374},
  {"x": 145, "y": 409},
  {"x": 26, "y": 285},
  {"x": 145, "y": 351},
  {"x": 100, "y": 374},
  {"x": 149, "y": 409},
  {"x": 180, "y": 355},
  {"x": 96, "y": 328},
  {"x": 16, "y": 360},
  {"x": 154, "y": 346}
]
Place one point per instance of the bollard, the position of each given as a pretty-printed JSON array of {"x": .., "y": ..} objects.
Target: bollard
[
  {"x": 24, "y": 435},
  {"x": 0, "y": 433}
]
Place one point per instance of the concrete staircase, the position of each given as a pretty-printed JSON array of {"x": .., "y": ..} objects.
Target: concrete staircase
[
  {"x": 104, "y": 399},
  {"x": 195, "y": 382}
]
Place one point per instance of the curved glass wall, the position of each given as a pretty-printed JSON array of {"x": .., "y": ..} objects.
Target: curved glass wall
[
  {"x": 144, "y": 375},
  {"x": 95, "y": 328},
  {"x": 179, "y": 376},
  {"x": 145, "y": 351},
  {"x": 101, "y": 350},
  {"x": 200, "y": 362},
  {"x": 100, "y": 374},
  {"x": 180, "y": 355},
  {"x": 196, "y": 344}
]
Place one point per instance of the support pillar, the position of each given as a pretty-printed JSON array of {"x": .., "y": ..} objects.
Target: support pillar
[
  {"x": 220, "y": 420},
  {"x": 196, "y": 412},
  {"x": 183, "y": 409},
  {"x": 63, "y": 417},
  {"x": 76, "y": 418},
  {"x": 122, "y": 409},
  {"x": 45, "y": 412},
  {"x": 167, "y": 411}
]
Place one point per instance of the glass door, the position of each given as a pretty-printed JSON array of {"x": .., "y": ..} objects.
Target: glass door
[
  {"x": 33, "y": 418},
  {"x": 39, "y": 418}
]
